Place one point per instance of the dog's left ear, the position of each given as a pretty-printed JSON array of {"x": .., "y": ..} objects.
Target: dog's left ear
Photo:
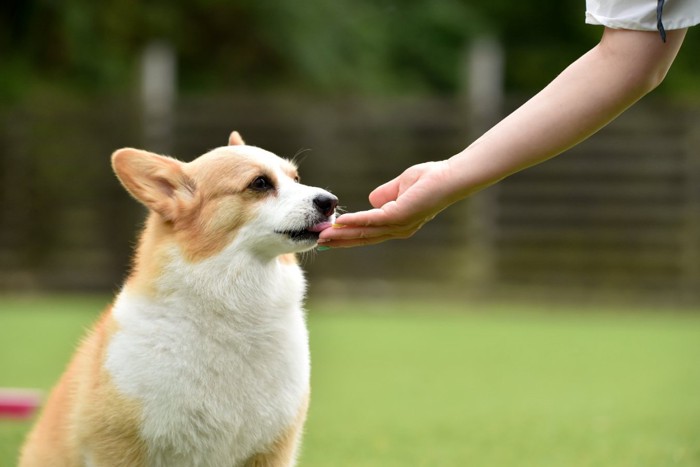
[
  {"x": 158, "y": 182},
  {"x": 235, "y": 139}
]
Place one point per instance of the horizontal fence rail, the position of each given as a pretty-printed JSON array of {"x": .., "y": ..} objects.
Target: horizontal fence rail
[{"x": 619, "y": 213}]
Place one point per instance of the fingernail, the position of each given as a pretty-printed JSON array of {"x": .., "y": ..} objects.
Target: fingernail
[
  {"x": 323, "y": 248},
  {"x": 338, "y": 226}
]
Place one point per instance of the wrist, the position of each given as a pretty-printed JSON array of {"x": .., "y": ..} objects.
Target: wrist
[{"x": 469, "y": 175}]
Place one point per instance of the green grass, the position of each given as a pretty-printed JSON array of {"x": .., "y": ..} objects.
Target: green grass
[{"x": 425, "y": 384}]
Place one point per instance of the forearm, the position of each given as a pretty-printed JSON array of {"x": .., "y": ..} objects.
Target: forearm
[{"x": 586, "y": 96}]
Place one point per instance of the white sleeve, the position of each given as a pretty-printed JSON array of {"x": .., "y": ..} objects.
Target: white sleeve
[{"x": 641, "y": 14}]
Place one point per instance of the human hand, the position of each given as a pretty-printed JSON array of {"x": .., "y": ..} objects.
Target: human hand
[{"x": 401, "y": 207}]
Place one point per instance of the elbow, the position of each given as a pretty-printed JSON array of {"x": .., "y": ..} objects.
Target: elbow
[
  {"x": 649, "y": 72},
  {"x": 641, "y": 82},
  {"x": 663, "y": 57},
  {"x": 653, "y": 78}
]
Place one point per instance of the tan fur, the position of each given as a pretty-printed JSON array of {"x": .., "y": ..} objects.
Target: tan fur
[
  {"x": 288, "y": 259},
  {"x": 282, "y": 452},
  {"x": 76, "y": 409}
]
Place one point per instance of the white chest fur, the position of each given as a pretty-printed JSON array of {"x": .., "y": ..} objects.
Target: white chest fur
[{"x": 221, "y": 369}]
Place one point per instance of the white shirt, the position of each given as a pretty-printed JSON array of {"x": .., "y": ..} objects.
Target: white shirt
[{"x": 641, "y": 14}]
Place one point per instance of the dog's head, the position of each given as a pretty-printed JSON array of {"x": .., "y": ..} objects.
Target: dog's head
[{"x": 234, "y": 196}]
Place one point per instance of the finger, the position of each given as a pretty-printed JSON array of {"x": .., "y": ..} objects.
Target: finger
[
  {"x": 355, "y": 242},
  {"x": 346, "y": 233},
  {"x": 362, "y": 218},
  {"x": 365, "y": 233}
]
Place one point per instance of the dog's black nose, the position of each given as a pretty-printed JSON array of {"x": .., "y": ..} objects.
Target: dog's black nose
[{"x": 325, "y": 204}]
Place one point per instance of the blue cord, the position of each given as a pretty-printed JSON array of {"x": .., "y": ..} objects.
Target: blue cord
[{"x": 659, "y": 23}]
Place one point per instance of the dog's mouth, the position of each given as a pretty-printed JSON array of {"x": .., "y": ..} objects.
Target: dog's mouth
[{"x": 308, "y": 233}]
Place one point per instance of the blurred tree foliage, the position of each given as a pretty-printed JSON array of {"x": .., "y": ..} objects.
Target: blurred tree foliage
[{"x": 310, "y": 46}]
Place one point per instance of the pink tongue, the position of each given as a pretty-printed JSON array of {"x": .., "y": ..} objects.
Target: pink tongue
[{"x": 320, "y": 227}]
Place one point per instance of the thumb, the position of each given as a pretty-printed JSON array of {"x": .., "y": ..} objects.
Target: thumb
[{"x": 381, "y": 195}]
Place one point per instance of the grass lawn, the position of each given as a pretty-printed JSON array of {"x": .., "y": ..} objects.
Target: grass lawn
[{"x": 426, "y": 384}]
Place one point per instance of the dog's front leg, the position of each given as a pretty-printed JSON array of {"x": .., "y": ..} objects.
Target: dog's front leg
[{"x": 283, "y": 451}]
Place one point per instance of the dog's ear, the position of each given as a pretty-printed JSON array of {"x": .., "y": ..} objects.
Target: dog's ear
[
  {"x": 235, "y": 139},
  {"x": 158, "y": 182}
]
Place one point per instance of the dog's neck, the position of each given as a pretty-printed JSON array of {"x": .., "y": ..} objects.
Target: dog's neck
[{"x": 232, "y": 280}]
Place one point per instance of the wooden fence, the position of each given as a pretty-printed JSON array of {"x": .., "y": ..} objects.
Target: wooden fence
[{"x": 618, "y": 214}]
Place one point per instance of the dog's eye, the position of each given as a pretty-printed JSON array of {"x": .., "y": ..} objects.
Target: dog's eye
[
  {"x": 261, "y": 183},
  {"x": 297, "y": 179}
]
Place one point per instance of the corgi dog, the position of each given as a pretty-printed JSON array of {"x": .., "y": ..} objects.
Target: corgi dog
[{"x": 202, "y": 359}]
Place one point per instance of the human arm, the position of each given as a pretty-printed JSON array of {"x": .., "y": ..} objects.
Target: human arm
[{"x": 623, "y": 67}]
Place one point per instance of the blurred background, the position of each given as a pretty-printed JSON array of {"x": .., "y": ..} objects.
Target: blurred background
[
  {"x": 572, "y": 350},
  {"x": 359, "y": 90}
]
